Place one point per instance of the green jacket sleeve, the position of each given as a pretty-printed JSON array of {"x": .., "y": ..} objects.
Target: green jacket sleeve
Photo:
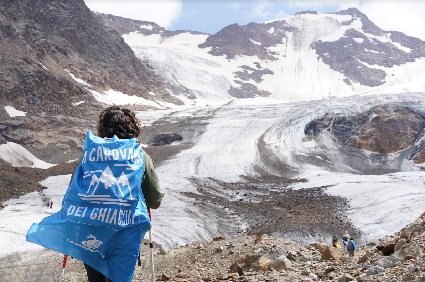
[{"x": 150, "y": 183}]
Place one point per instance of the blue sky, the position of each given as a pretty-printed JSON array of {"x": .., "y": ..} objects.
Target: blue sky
[{"x": 210, "y": 16}]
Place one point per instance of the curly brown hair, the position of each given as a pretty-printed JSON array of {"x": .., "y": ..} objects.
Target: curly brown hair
[{"x": 118, "y": 121}]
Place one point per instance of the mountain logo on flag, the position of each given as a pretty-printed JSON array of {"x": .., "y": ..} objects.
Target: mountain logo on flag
[{"x": 100, "y": 184}]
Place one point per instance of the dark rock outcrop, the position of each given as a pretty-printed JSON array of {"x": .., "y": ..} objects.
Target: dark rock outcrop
[
  {"x": 166, "y": 139},
  {"x": 389, "y": 132},
  {"x": 250, "y": 40},
  {"x": 379, "y": 130}
]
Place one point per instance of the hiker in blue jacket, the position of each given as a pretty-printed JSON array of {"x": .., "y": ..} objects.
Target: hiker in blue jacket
[{"x": 351, "y": 247}]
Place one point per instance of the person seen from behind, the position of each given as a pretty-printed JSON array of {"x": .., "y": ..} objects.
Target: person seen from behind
[
  {"x": 105, "y": 211},
  {"x": 351, "y": 247},
  {"x": 125, "y": 125}
]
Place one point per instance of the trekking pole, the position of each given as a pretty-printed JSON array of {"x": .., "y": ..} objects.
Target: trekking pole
[
  {"x": 65, "y": 259},
  {"x": 151, "y": 247}
]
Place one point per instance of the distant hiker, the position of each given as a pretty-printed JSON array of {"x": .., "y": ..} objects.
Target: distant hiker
[
  {"x": 345, "y": 239},
  {"x": 51, "y": 203},
  {"x": 48, "y": 204},
  {"x": 335, "y": 242},
  {"x": 104, "y": 214},
  {"x": 351, "y": 247}
]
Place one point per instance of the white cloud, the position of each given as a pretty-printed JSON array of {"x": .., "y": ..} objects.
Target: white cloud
[
  {"x": 403, "y": 16},
  {"x": 308, "y": 5},
  {"x": 161, "y": 12},
  {"x": 266, "y": 10},
  {"x": 261, "y": 10},
  {"x": 235, "y": 7}
]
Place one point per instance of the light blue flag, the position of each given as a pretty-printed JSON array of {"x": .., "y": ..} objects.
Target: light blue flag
[{"x": 104, "y": 215}]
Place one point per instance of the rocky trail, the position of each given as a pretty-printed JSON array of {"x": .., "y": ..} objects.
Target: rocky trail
[{"x": 399, "y": 257}]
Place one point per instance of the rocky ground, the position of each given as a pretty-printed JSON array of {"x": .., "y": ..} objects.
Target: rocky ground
[
  {"x": 399, "y": 257},
  {"x": 270, "y": 208}
]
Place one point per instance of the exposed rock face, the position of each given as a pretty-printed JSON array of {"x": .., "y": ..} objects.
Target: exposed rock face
[
  {"x": 380, "y": 130},
  {"x": 389, "y": 132},
  {"x": 124, "y": 25},
  {"x": 250, "y": 40},
  {"x": 42, "y": 40},
  {"x": 419, "y": 158},
  {"x": 248, "y": 90}
]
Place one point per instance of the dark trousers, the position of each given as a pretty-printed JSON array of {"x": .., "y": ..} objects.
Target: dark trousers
[{"x": 94, "y": 275}]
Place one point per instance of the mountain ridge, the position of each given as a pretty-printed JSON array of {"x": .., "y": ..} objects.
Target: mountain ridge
[
  {"x": 46, "y": 44},
  {"x": 301, "y": 57}
]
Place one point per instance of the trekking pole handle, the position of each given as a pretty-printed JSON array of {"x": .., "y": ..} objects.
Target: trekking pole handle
[
  {"x": 150, "y": 214},
  {"x": 65, "y": 259}
]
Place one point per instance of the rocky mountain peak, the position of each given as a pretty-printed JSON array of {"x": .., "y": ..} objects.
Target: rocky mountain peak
[
  {"x": 125, "y": 26},
  {"x": 249, "y": 40},
  {"x": 367, "y": 25},
  {"x": 306, "y": 13},
  {"x": 353, "y": 12}
]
